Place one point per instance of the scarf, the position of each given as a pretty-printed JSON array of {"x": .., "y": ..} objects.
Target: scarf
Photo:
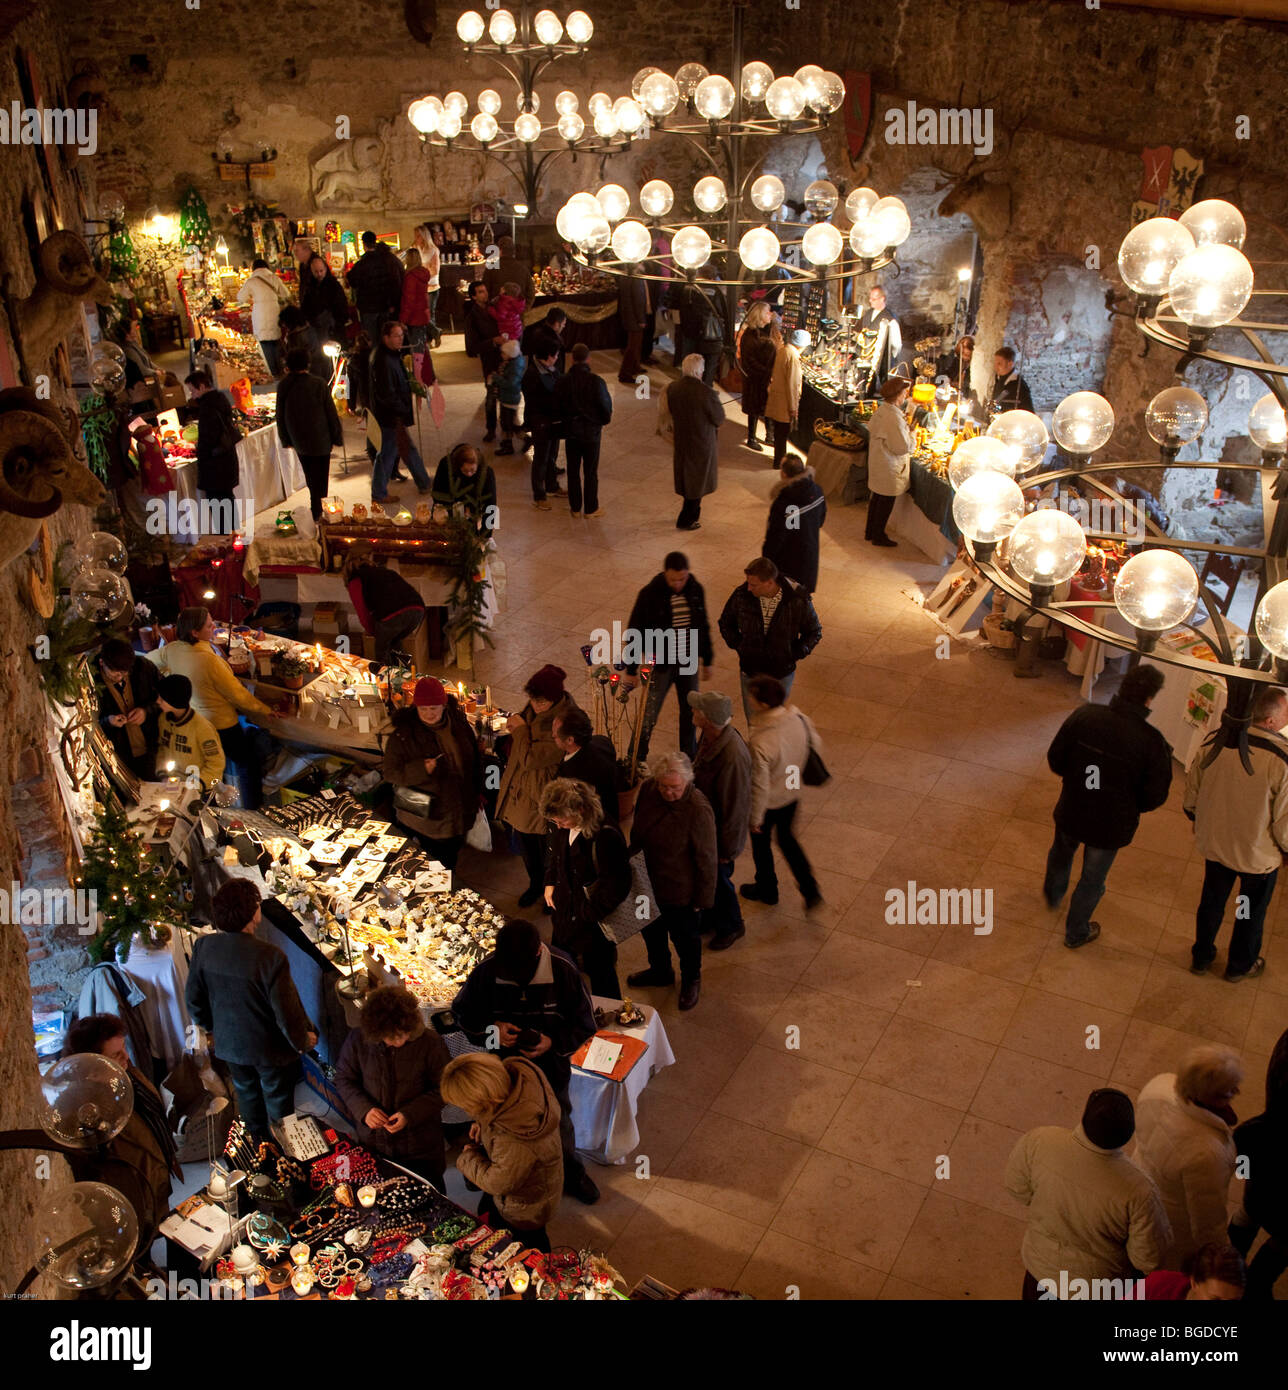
[{"x": 124, "y": 697}]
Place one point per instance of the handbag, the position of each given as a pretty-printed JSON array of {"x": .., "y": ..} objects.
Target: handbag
[
  {"x": 814, "y": 773},
  {"x": 480, "y": 833},
  {"x": 413, "y": 801},
  {"x": 624, "y": 921},
  {"x": 733, "y": 380}
]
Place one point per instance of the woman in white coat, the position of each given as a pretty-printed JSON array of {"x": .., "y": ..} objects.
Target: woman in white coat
[
  {"x": 265, "y": 294},
  {"x": 1184, "y": 1142},
  {"x": 889, "y": 457}
]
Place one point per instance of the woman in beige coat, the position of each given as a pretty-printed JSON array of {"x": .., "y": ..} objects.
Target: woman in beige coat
[
  {"x": 513, "y": 1152},
  {"x": 534, "y": 760},
  {"x": 889, "y": 458},
  {"x": 784, "y": 401}
]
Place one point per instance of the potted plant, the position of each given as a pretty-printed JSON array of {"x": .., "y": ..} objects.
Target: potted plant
[{"x": 291, "y": 668}]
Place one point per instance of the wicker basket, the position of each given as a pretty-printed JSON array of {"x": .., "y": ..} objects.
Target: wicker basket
[{"x": 1004, "y": 639}]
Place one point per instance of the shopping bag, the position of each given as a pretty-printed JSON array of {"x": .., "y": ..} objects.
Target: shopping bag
[
  {"x": 437, "y": 406},
  {"x": 480, "y": 833}
]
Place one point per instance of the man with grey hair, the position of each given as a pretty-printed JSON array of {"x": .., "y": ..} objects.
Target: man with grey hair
[
  {"x": 722, "y": 773},
  {"x": 1241, "y": 828},
  {"x": 676, "y": 829},
  {"x": 696, "y": 417}
]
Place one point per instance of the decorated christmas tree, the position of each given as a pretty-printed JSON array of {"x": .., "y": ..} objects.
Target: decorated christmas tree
[
  {"x": 194, "y": 220},
  {"x": 136, "y": 899},
  {"x": 124, "y": 257}
]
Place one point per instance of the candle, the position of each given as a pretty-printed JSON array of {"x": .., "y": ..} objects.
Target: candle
[
  {"x": 487, "y": 700},
  {"x": 367, "y": 1196},
  {"x": 299, "y": 1253},
  {"x": 302, "y": 1280},
  {"x": 519, "y": 1279}
]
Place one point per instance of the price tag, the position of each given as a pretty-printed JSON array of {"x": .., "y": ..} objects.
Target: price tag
[
  {"x": 364, "y": 723},
  {"x": 328, "y": 794}
]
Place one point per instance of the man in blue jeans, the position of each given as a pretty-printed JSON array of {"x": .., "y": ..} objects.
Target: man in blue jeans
[
  {"x": 1115, "y": 766},
  {"x": 392, "y": 407}
]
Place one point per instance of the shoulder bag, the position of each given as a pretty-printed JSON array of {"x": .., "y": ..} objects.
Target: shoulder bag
[
  {"x": 624, "y": 921},
  {"x": 814, "y": 773}
]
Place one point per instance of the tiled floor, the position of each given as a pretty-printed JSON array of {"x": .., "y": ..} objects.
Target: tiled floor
[{"x": 847, "y": 1091}]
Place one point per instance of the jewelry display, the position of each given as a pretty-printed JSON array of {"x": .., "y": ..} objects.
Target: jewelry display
[
  {"x": 392, "y": 1271},
  {"x": 347, "y": 1164}
]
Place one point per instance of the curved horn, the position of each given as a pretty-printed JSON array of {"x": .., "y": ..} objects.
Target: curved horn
[
  {"x": 66, "y": 264},
  {"x": 28, "y": 443}
]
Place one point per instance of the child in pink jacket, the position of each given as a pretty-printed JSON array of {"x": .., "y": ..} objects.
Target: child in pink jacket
[{"x": 508, "y": 308}]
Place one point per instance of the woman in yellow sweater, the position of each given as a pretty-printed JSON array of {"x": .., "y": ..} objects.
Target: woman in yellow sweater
[{"x": 217, "y": 695}]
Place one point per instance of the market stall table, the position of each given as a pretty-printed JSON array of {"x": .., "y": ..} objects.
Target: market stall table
[
  {"x": 834, "y": 469},
  {"x": 603, "y": 1110},
  {"x": 924, "y": 514},
  {"x": 592, "y": 318},
  {"x": 269, "y": 474}
]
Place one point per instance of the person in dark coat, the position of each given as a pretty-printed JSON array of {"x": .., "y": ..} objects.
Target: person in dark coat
[
  {"x": 218, "y": 472},
  {"x": 462, "y": 477},
  {"x": 1010, "y": 390},
  {"x": 127, "y": 705},
  {"x": 240, "y": 992},
  {"x": 669, "y": 617},
  {"x": 541, "y": 418},
  {"x": 307, "y": 422},
  {"x": 722, "y": 773},
  {"x": 298, "y": 332},
  {"x": 392, "y": 406},
  {"x": 376, "y": 279},
  {"x": 323, "y": 300},
  {"x": 771, "y": 623},
  {"x": 634, "y": 309},
  {"x": 757, "y": 352},
  {"x": 797, "y": 511},
  {"x": 534, "y": 998},
  {"x": 676, "y": 828},
  {"x": 588, "y": 875},
  {"x": 696, "y": 417},
  {"x": 1115, "y": 766},
  {"x": 433, "y": 749},
  {"x": 483, "y": 340},
  {"x": 388, "y": 1077},
  {"x": 585, "y": 407},
  {"x": 588, "y": 757},
  {"x": 703, "y": 319},
  {"x": 1262, "y": 1143},
  {"x": 550, "y": 331},
  {"x": 388, "y": 608}
]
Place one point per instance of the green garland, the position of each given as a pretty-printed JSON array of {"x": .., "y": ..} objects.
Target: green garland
[
  {"x": 63, "y": 671},
  {"x": 468, "y": 598},
  {"x": 98, "y": 421}
]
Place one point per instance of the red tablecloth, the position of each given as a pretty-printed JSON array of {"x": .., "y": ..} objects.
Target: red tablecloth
[
  {"x": 201, "y": 573},
  {"x": 1088, "y": 615}
]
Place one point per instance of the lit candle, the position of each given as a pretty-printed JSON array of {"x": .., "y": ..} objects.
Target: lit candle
[
  {"x": 367, "y": 1196},
  {"x": 519, "y": 1279},
  {"x": 299, "y": 1253},
  {"x": 165, "y": 804}
]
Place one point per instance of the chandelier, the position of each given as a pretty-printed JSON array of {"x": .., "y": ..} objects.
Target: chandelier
[{"x": 1191, "y": 283}]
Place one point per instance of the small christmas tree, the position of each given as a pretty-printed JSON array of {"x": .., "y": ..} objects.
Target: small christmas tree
[
  {"x": 194, "y": 220},
  {"x": 122, "y": 253},
  {"x": 136, "y": 897}
]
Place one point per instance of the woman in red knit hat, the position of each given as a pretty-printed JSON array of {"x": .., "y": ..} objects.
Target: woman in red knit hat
[{"x": 433, "y": 762}]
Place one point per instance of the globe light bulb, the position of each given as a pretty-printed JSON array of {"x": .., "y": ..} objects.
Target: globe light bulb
[
  {"x": 423, "y": 116},
  {"x": 1025, "y": 433},
  {"x": 987, "y": 507},
  {"x": 1156, "y": 590},
  {"x": 688, "y": 77},
  {"x": 860, "y": 203},
  {"x": 690, "y": 248},
  {"x": 470, "y": 27},
  {"x": 578, "y": 27},
  {"x": 1175, "y": 417},
  {"x": 574, "y": 213},
  {"x": 756, "y": 78},
  {"x": 714, "y": 97},
  {"x": 456, "y": 103},
  {"x": 86, "y": 1235},
  {"x": 594, "y": 234},
  {"x": 709, "y": 194},
  {"x": 548, "y": 28},
  {"x": 831, "y": 94},
  {"x": 566, "y": 103},
  {"x": 868, "y": 238},
  {"x": 821, "y": 198},
  {"x": 1046, "y": 548},
  {"x": 637, "y": 82},
  {"x": 571, "y": 127},
  {"x": 501, "y": 28},
  {"x": 628, "y": 114},
  {"x": 768, "y": 192},
  {"x": 614, "y": 201},
  {"x": 982, "y": 455},
  {"x": 436, "y": 105},
  {"x": 449, "y": 125},
  {"x": 1268, "y": 426},
  {"x": 1215, "y": 222},
  {"x": 659, "y": 94},
  {"x": 811, "y": 78},
  {"x": 527, "y": 127},
  {"x": 483, "y": 128},
  {"x": 599, "y": 101},
  {"x": 1150, "y": 252},
  {"x": 605, "y": 124},
  {"x": 489, "y": 101},
  {"x": 631, "y": 242},
  {"x": 1272, "y": 620},
  {"x": 656, "y": 197},
  {"x": 822, "y": 244},
  {"x": 1210, "y": 286},
  {"x": 892, "y": 215},
  {"x": 1082, "y": 423},
  {"x": 785, "y": 99},
  {"x": 758, "y": 249}
]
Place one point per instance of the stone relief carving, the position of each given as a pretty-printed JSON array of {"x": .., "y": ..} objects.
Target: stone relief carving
[{"x": 352, "y": 173}]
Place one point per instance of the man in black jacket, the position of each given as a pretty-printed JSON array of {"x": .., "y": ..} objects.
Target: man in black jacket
[
  {"x": 771, "y": 623},
  {"x": 722, "y": 773},
  {"x": 548, "y": 332},
  {"x": 526, "y": 988},
  {"x": 1115, "y": 766},
  {"x": 218, "y": 471},
  {"x": 587, "y": 757},
  {"x": 391, "y": 405},
  {"x": 308, "y": 423},
  {"x": 483, "y": 340},
  {"x": 541, "y": 416},
  {"x": 585, "y": 407},
  {"x": 669, "y": 619},
  {"x": 796, "y": 516},
  {"x": 376, "y": 281},
  {"x": 1010, "y": 390},
  {"x": 240, "y": 992}
]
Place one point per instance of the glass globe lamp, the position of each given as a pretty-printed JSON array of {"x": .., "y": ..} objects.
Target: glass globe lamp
[
  {"x": 578, "y": 27},
  {"x": 785, "y": 99},
  {"x": 1082, "y": 423},
  {"x": 1272, "y": 621},
  {"x": 1150, "y": 252},
  {"x": 87, "y": 1234},
  {"x": 614, "y": 201},
  {"x": 758, "y": 249},
  {"x": 688, "y": 77},
  {"x": 436, "y": 105},
  {"x": 605, "y": 124},
  {"x": 567, "y": 103},
  {"x": 868, "y": 238},
  {"x": 892, "y": 216},
  {"x": 490, "y": 101},
  {"x": 1024, "y": 432},
  {"x": 657, "y": 198},
  {"x": 691, "y": 248},
  {"x": 574, "y": 213},
  {"x": 594, "y": 234},
  {"x": 501, "y": 28},
  {"x": 449, "y": 125},
  {"x": 599, "y": 101},
  {"x": 483, "y": 128},
  {"x": 87, "y": 1100},
  {"x": 821, "y": 198},
  {"x": 637, "y": 82},
  {"x": 987, "y": 508},
  {"x": 470, "y": 27},
  {"x": 768, "y": 192},
  {"x": 457, "y": 103},
  {"x": 631, "y": 242},
  {"x": 571, "y": 127},
  {"x": 822, "y": 244},
  {"x": 525, "y": 103},
  {"x": 628, "y": 114},
  {"x": 709, "y": 194},
  {"x": 756, "y": 78},
  {"x": 527, "y": 127},
  {"x": 981, "y": 455},
  {"x": 1210, "y": 286},
  {"x": 714, "y": 97},
  {"x": 99, "y": 596},
  {"x": 1268, "y": 427},
  {"x": 1155, "y": 591},
  {"x": 860, "y": 203},
  {"x": 106, "y": 349},
  {"x": 1176, "y": 417},
  {"x": 1046, "y": 548},
  {"x": 659, "y": 94},
  {"x": 548, "y": 28},
  {"x": 1214, "y": 222},
  {"x": 102, "y": 550},
  {"x": 811, "y": 79},
  {"x": 830, "y": 94},
  {"x": 422, "y": 116}
]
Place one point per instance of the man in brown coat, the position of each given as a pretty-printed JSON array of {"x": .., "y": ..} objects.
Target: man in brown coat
[
  {"x": 675, "y": 827},
  {"x": 722, "y": 773},
  {"x": 696, "y": 417}
]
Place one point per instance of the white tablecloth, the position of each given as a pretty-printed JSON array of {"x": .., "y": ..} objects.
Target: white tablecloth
[
  {"x": 269, "y": 474},
  {"x": 162, "y": 975},
  {"x": 603, "y": 1111}
]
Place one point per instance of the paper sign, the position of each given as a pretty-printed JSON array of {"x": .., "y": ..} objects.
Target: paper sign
[
  {"x": 601, "y": 1056},
  {"x": 364, "y": 723},
  {"x": 328, "y": 795}
]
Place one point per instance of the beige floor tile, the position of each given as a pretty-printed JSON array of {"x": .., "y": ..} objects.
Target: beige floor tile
[
  {"x": 950, "y": 825},
  {"x": 1009, "y": 951},
  {"x": 1269, "y": 1019},
  {"x": 826, "y": 1029},
  {"x": 906, "y": 769},
  {"x": 892, "y": 1131},
  {"x": 901, "y": 1291},
  {"x": 869, "y": 805},
  {"x": 738, "y": 1000},
  {"x": 779, "y": 945},
  {"x": 736, "y": 1167},
  {"x": 972, "y": 785},
  {"x": 665, "y": 1123},
  {"x": 597, "y": 1226},
  {"x": 867, "y": 915},
  {"x": 1141, "y": 873},
  {"x": 705, "y": 1058},
  {"x": 781, "y": 1091},
  {"x": 1099, "y": 973},
  {"x": 684, "y": 1243},
  {"x": 783, "y": 1268},
  {"x": 962, "y": 1001},
  {"x": 927, "y": 865},
  {"x": 961, "y": 1250},
  {"x": 977, "y": 1165},
  {"x": 850, "y": 1209},
  {"x": 929, "y": 1062},
  {"x": 1202, "y": 1004},
  {"x": 1148, "y": 1050},
  {"x": 1023, "y": 1092},
  {"x": 864, "y": 971},
  {"x": 1085, "y": 1037},
  {"x": 827, "y": 839}
]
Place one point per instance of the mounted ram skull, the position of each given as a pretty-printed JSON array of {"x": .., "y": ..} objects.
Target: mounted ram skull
[
  {"x": 39, "y": 470},
  {"x": 66, "y": 275}
]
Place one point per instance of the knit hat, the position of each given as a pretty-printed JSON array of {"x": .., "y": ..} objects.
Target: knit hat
[
  {"x": 510, "y": 348},
  {"x": 547, "y": 684},
  {"x": 429, "y": 692},
  {"x": 1108, "y": 1120},
  {"x": 714, "y": 706},
  {"x": 800, "y": 338},
  {"x": 176, "y": 691}
]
